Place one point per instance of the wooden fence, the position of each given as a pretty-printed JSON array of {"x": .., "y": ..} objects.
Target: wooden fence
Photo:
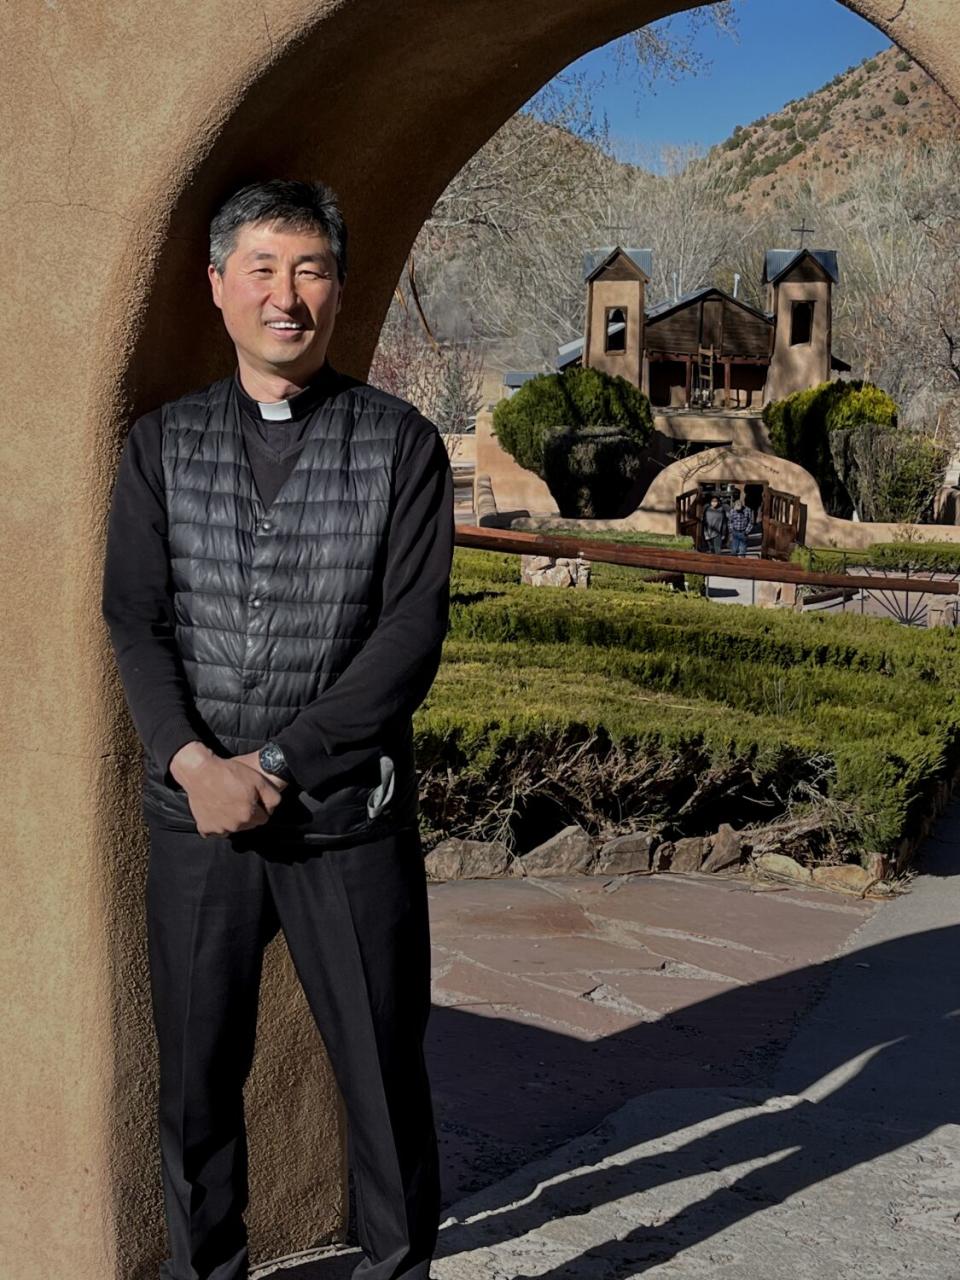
[{"x": 669, "y": 560}]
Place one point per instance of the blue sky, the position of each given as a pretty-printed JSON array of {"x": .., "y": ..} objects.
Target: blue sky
[{"x": 783, "y": 49}]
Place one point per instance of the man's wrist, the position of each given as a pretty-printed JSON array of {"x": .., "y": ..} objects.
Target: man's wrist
[{"x": 188, "y": 760}]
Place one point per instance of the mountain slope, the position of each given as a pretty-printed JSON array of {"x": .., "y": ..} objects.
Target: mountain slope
[{"x": 826, "y": 135}]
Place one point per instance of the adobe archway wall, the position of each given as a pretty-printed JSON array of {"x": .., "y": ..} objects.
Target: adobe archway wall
[
  {"x": 657, "y": 512},
  {"x": 124, "y": 121}
]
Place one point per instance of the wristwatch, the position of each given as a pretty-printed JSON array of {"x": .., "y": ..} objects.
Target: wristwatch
[{"x": 272, "y": 761}]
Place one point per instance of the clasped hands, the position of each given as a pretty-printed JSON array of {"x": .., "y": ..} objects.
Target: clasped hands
[{"x": 225, "y": 795}]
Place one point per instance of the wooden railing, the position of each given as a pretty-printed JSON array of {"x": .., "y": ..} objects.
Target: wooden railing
[{"x": 669, "y": 560}]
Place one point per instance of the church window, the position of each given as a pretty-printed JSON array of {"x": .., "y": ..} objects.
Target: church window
[
  {"x": 801, "y": 323},
  {"x": 616, "y": 329}
]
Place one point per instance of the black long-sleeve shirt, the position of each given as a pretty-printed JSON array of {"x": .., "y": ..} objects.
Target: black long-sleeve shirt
[{"x": 387, "y": 679}]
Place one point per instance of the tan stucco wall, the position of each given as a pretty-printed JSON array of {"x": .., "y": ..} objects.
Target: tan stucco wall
[
  {"x": 657, "y": 512},
  {"x": 744, "y": 428},
  {"x": 125, "y": 122},
  {"x": 807, "y": 364},
  {"x": 514, "y": 487},
  {"x": 461, "y": 449}
]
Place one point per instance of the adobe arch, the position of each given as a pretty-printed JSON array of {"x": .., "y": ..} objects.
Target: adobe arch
[{"x": 126, "y": 122}]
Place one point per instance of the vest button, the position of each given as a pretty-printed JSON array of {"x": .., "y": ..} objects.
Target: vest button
[
  {"x": 266, "y": 525},
  {"x": 255, "y": 602}
]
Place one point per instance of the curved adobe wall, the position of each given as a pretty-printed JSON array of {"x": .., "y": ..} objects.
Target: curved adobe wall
[
  {"x": 657, "y": 511},
  {"x": 124, "y": 121}
]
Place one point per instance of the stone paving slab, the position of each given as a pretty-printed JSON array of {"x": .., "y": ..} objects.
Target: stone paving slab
[
  {"x": 497, "y": 908},
  {"x": 559, "y": 999},
  {"x": 724, "y": 909}
]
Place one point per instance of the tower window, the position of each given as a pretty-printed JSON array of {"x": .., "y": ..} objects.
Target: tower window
[
  {"x": 616, "y": 329},
  {"x": 801, "y": 323}
]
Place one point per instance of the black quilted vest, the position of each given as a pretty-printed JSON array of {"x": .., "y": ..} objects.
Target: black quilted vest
[{"x": 272, "y": 604}]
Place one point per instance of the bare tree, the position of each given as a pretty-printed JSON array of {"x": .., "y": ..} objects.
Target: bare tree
[{"x": 443, "y": 380}]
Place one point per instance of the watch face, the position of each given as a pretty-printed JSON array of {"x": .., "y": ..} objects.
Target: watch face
[{"x": 272, "y": 761}]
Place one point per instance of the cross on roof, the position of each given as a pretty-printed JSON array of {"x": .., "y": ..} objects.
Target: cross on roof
[{"x": 803, "y": 230}]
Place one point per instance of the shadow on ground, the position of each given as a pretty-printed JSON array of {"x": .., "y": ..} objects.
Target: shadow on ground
[{"x": 892, "y": 1067}]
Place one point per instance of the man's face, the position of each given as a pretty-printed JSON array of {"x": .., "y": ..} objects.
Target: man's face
[{"x": 279, "y": 296}]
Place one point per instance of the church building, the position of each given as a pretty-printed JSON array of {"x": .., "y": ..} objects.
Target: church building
[{"x": 709, "y": 349}]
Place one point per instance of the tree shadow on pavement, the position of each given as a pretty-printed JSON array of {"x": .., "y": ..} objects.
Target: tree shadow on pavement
[{"x": 893, "y": 1067}]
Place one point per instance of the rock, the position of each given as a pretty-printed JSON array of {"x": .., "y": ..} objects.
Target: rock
[
  {"x": 777, "y": 595},
  {"x": 663, "y": 856},
  {"x": 781, "y": 867},
  {"x": 688, "y": 854},
  {"x": 558, "y": 576},
  {"x": 847, "y": 878},
  {"x": 803, "y": 839},
  {"x": 725, "y": 850},
  {"x": 467, "y": 860},
  {"x": 877, "y": 865},
  {"x": 545, "y": 571},
  {"x": 625, "y": 855},
  {"x": 942, "y": 612},
  {"x": 533, "y": 564},
  {"x": 569, "y": 852}
]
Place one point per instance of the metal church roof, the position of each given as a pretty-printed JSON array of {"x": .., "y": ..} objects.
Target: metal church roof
[
  {"x": 642, "y": 258},
  {"x": 573, "y": 351},
  {"x": 662, "y": 307},
  {"x": 777, "y": 262}
]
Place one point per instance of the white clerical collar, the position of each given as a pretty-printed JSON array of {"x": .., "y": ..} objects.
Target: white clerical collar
[{"x": 275, "y": 410}]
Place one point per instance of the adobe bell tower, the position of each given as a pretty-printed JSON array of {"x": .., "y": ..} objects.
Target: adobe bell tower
[{"x": 616, "y": 281}]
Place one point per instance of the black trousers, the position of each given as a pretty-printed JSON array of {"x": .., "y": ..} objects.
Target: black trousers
[{"x": 355, "y": 920}]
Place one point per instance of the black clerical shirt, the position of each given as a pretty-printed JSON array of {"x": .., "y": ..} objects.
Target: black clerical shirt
[{"x": 340, "y": 729}]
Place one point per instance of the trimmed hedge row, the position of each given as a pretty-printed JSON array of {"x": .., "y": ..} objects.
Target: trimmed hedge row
[{"x": 857, "y": 715}]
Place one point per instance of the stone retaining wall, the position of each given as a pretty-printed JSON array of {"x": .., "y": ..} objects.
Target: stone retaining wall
[{"x": 766, "y": 851}]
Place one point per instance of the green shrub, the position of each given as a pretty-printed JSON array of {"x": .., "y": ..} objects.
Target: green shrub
[
  {"x": 903, "y": 64},
  {"x": 870, "y": 65},
  {"x": 891, "y": 476},
  {"x": 900, "y": 98},
  {"x": 582, "y": 431},
  {"x": 800, "y": 427},
  {"x": 590, "y": 472},
  {"x": 877, "y": 112},
  {"x": 647, "y": 707}
]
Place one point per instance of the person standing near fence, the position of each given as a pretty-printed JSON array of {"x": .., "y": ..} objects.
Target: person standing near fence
[
  {"x": 741, "y": 523},
  {"x": 714, "y": 526}
]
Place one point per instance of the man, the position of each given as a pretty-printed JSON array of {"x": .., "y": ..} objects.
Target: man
[
  {"x": 276, "y": 589},
  {"x": 714, "y": 526},
  {"x": 741, "y": 524}
]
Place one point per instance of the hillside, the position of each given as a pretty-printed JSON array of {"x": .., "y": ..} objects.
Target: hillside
[{"x": 826, "y": 135}]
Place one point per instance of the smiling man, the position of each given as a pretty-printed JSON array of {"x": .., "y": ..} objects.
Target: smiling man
[{"x": 276, "y": 589}]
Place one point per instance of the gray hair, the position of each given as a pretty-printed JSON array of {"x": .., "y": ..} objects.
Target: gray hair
[{"x": 296, "y": 206}]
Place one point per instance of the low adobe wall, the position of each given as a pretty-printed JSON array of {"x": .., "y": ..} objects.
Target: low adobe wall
[
  {"x": 657, "y": 512},
  {"x": 514, "y": 487}
]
